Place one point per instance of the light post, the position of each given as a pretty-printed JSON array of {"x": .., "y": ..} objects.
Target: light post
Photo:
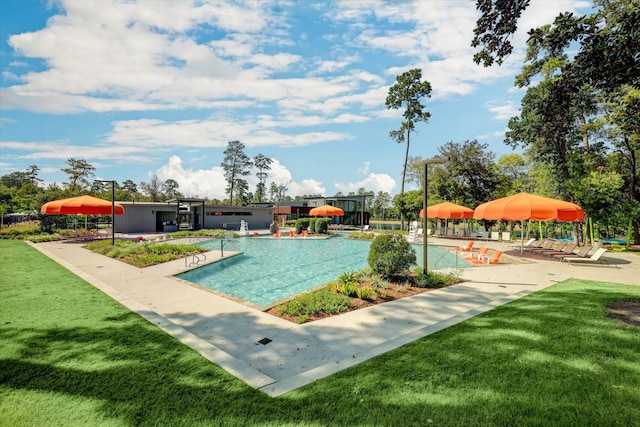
[
  {"x": 113, "y": 208},
  {"x": 433, "y": 161}
]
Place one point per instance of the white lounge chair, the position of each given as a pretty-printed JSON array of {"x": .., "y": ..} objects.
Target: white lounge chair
[
  {"x": 595, "y": 258},
  {"x": 527, "y": 243}
]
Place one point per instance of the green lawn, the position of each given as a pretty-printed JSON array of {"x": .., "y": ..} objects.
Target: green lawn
[{"x": 71, "y": 356}]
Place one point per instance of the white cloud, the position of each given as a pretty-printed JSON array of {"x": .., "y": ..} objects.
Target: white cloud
[
  {"x": 502, "y": 111},
  {"x": 365, "y": 168},
  {"x": 373, "y": 182},
  {"x": 38, "y": 150},
  {"x": 495, "y": 134},
  {"x": 217, "y": 132},
  {"x": 211, "y": 183},
  {"x": 205, "y": 183}
]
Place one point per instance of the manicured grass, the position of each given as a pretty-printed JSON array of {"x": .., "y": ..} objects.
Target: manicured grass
[{"x": 70, "y": 355}]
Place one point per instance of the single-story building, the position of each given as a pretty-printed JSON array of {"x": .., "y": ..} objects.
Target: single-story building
[
  {"x": 353, "y": 207},
  {"x": 194, "y": 214},
  {"x": 187, "y": 214}
]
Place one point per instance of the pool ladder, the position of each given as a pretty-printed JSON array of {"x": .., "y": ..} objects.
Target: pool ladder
[{"x": 196, "y": 258}]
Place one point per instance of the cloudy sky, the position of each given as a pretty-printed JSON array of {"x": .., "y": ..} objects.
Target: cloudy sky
[{"x": 158, "y": 87}]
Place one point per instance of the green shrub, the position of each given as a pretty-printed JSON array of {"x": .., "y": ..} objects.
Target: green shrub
[
  {"x": 433, "y": 279},
  {"x": 391, "y": 255},
  {"x": 365, "y": 292},
  {"x": 322, "y": 225},
  {"x": 312, "y": 225},
  {"x": 358, "y": 235},
  {"x": 200, "y": 233},
  {"x": 321, "y": 300},
  {"x": 142, "y": 254},
  {"x": 347, "y": 277},
  {"x": 49, "y": 223},
  {"x": 373, "y": 279},
  {"x": 19, "y": 231},
  {"x": 348, "y": 289}
]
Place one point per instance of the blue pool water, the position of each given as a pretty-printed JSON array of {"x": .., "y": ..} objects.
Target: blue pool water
[{"x": 270, "y": 270}]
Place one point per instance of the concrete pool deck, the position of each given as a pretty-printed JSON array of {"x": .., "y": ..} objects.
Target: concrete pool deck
[{"x": 277, "y": 356}]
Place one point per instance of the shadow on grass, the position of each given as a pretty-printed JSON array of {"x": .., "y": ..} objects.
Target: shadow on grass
[{"x": 552, "y": 357}]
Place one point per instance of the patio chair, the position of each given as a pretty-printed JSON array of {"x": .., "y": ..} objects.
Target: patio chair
[
  {"x": 465, "y": 248},
  {"x": 529, "y": 242},
  {"x": 494, "y": 258},
  {"x": 558, "y": 248},
  {"x": 596, "y": 258},
  {"x": 495, "y": 235},
  {"x": 545, "y": 245},
  {"x": 568, "y": 249},
  {"x": 477, "y": 255},
  {"x": 366, "y": 229},
  {"x": 582, "y": 253}
]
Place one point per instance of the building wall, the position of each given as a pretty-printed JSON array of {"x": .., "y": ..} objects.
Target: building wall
[{"x": 151, "y": 217}]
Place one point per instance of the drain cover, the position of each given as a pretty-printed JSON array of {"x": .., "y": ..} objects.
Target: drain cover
[{"x": 264, "y": 341}]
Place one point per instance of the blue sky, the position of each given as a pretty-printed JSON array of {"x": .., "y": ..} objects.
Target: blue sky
[{"x": 158, "y": 87}]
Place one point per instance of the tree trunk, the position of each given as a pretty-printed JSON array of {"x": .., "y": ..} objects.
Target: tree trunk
[
  {"x": 404, "y": 173},
  {"x": 585, "y": 135}
]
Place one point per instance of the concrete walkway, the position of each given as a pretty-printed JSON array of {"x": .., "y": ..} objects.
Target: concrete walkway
[{"x": 277, "y": 356}]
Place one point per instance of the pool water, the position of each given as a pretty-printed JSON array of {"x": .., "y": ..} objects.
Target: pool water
[{"x": 270, "y": 270}]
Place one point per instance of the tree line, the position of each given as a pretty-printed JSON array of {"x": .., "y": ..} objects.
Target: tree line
[
  {"x": 579, "y": 125},
  {"x": 579, "y": 130}
]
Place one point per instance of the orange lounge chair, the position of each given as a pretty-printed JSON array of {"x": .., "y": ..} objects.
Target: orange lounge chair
[
  {"x": 277, "y": 235},
  {"x": 480, "y": 254},
  {"x": 465, "y": 248},
  {"x": 304, "y": 233},
  {"x": 292, "y": 234},
  {"x": 493, "y": 259}
]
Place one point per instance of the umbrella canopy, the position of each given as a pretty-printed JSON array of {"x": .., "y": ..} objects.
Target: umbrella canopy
[
  {"x": 447, "y": 210},
  {"x": 326, "y": 210},
  {"x": 523, "y": 206},
  {"x": 84, "y": 205}
]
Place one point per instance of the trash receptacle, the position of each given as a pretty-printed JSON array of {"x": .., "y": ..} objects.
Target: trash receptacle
[{"x": 597, "y": 244}]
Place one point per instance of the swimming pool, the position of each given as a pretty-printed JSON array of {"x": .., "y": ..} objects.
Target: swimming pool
[{"x": 270, "y": 270}]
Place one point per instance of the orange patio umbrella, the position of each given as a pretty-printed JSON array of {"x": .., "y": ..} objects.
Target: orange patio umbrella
[
  {"x": 83, "y": 205},
  {"x": 326, "y": 210},
  {"x": 447, "y": 210},
  {"x": 526, "y": 206}
]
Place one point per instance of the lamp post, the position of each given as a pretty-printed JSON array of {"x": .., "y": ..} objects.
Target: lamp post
[
  {"x": 433, "y": 161},
  {"x": 113, "y": 208}
]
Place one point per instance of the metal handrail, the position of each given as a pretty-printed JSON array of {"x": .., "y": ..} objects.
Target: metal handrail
[
  {"x": 444, "y": 254},
  {"x": 195, "y": 258}
]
